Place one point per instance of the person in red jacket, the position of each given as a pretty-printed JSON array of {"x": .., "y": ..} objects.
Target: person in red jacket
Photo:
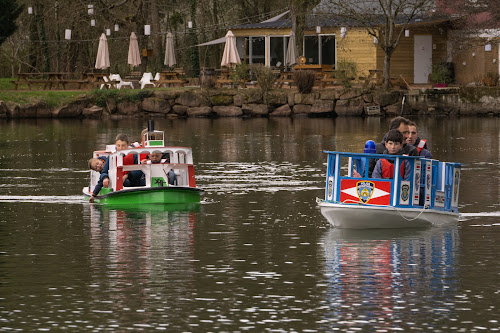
[{"x": 393, "y": 146}]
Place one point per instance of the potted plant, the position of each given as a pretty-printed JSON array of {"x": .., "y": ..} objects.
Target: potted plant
[
  {"x": 440, "y": 75},
  {"x": 490, "y": 79}
]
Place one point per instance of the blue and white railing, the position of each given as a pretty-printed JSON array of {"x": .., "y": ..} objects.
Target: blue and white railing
[{"x": 431, "y": 183}]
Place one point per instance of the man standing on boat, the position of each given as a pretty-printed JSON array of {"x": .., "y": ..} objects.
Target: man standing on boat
[{"x": 414, "y": 140}]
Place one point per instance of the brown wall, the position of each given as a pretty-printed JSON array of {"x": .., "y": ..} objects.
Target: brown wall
[
  {"x": 357, "y": 46},
  {"x": 402, "y": 60},
  {"x": 476, "y": 67}
]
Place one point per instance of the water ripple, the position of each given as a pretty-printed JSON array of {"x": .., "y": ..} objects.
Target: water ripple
[{"x": 269, "y": 176}]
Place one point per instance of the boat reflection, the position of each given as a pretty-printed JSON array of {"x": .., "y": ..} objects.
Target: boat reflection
[
  {"x": 386, "y": 275},
  {"x": 134, "y": 250}
]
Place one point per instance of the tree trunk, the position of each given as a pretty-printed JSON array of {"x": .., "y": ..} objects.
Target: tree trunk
[
  {"x": 293, "y": 16},
  {"x": 387, "y": 69},
  {"x": 195, "y": 58},
  {"x": 157, "y": 37}
]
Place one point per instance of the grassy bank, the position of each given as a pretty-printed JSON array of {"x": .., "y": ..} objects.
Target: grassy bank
[
  {"x": 57, "y": 98},
  {"x": 53, "y": 98}
]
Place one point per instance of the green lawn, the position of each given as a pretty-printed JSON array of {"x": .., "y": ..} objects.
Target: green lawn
[
  {"x": 57, "y": 98},
  {"x": 52, "y": 98}
]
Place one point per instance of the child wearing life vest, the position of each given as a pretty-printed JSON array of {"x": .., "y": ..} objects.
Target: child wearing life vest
[
  {"x": 130, "y": 178},
  {"x": 393, "y": 146}
]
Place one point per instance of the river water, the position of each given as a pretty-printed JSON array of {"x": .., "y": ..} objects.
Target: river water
[{"x": 256, "y": 255}]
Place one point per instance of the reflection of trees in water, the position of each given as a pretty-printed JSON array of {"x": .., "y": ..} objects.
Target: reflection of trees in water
[{"x": 387, "y": 275}]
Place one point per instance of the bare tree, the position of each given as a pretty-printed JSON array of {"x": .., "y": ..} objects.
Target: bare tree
[
  {"x": 298, "y": 12},
  {"x": 44, "y": 48},
  {"x": 385, "y": 20}
]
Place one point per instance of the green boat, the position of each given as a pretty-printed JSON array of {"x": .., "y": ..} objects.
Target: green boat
[{"x": 170, "y": 181}]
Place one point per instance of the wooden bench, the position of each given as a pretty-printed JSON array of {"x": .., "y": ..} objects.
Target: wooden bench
[
  {"x": 97, "y": 84},
  {"x": 222, "y": 81},
  {"x": 30, "y": 82},
  {"x": 167, "y": 82},
  {"x": 17, "y": 83},
  {"x": 285, "y": 77},
  {"x": 334, "y": 78},
  {"x": 374, "y": 78}
]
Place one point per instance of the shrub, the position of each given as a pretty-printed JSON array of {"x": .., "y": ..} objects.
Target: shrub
[
  {"x": 440, "y": 73},
  {"x": 305, "y": 81},
  {"x": 349, "y": 71},
  {"x": 265, "y": 78},
  {"x": 101, "y": 95},
  {"x": 490, "y": 79},
  {"x": 241, "y": 72}
]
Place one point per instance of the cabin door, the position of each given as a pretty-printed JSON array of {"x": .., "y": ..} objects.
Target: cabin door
[{"x": 422, "y": 56}]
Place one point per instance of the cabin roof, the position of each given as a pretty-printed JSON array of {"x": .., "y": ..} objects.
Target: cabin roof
[{"x": 329, "y": 20}]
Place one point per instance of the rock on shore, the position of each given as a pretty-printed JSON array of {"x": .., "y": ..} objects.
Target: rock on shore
[{"x": 251, "y": 102}]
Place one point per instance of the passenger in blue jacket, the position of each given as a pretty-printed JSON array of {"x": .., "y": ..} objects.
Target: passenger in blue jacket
[{"x": 101, "y": 165}]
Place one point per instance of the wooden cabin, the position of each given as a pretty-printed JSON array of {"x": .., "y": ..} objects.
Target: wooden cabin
[{"x": 422, "y": 45}]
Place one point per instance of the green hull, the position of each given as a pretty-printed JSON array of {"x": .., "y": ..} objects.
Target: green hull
[{"x": 151, "y": 196}]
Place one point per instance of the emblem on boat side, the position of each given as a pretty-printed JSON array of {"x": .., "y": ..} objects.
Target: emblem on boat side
[
  {"x": 158, "y": 182},
  {"x": 405, "y": 192},
  {"x": 330, "y": 188},
  {"x": 365, "y": 190}
]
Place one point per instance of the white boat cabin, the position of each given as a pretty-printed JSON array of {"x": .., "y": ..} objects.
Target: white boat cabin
[{"x": 178, "y": 160}]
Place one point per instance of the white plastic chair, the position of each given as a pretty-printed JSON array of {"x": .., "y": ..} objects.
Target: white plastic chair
[
  {"x": 157, "y": 76},
  {"x": 146, "y": 80},
  {"x": 107, "y": 85},
  {"x": 117, "y": 77}
]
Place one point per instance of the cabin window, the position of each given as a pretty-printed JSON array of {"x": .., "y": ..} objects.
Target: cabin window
[
  {"x": 311, "y": 49},
  {"x": 278, "y": 46},
  {"x": 258, "y": 50},
  {"x": 320, "y": 49},
  {"x": 327, "y": 49},
  {"x": 251, "y": 49}
]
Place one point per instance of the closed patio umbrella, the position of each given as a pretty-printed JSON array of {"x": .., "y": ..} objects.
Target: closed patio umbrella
[
  {"x": 230, "y": 55},
  {"x": 291, "y": 51},
  {"x": 134, "y": 57},
  {"x": 102, "y": 61},
  {"x": 169, "y": 51}
]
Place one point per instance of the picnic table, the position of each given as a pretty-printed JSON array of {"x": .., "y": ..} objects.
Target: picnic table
[
  {"x": 48, "y": 79},
  {"x": 375, "y": 77},
  {"x": 224, "y": 77},
  {"x": 316, "y": 68},
  {"x": 170, "y": 78},
  {"x": 134, "y": 77},
  {"x": 284, "y": 77},
  {"x": 97, "y": 79},
  {"x": 334, "y": 77}
]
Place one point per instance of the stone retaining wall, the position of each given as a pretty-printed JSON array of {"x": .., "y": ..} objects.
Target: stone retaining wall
[{"x": 252, "y": 103}]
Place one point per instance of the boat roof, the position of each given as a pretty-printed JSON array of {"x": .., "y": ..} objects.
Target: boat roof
[{"x": 142, "y": 149}]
